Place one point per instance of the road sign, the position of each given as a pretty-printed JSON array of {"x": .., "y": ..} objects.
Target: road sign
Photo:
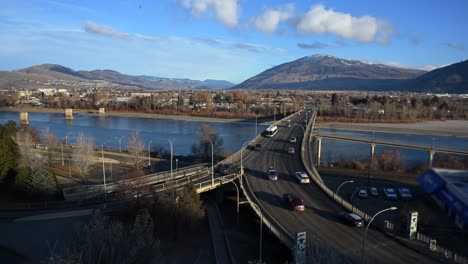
[
  {"x": 301, "y": 245},
  {"x": 412, "y": 226}
]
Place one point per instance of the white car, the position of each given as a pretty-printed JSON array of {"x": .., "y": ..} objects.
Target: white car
[
  {"x": 302, "y": 177},
  {"x": 362, "y": 193},
  {"x": 292, "y": 140},
  {"x": 390, "y": 193},
  {"x": 272, "y": 174}
]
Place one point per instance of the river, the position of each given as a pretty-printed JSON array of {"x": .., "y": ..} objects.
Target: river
[
  {"x": 111, "y": 129},
  {"x": 156, "y": 131}
]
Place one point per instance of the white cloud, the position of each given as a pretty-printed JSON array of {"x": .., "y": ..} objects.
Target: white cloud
[
  {"x": 91, "y": 27},
  {"x": 269, "y": 20},
  {"x": 319, "y": 20},
  {"x": 226, "y": 11}
]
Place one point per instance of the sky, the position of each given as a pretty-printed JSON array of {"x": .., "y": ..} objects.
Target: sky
[{"x": 229, "y": 40}]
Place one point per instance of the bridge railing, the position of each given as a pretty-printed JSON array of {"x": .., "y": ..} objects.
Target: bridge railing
[
  {"x": 268, "y": 220},
  {"x": 90, "y": 191}
]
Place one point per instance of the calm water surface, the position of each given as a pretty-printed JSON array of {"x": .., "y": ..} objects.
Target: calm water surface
[{"x": 110, "y": 129}]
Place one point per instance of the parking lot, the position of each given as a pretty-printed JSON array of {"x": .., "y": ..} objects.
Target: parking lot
[{"x": 432, "y": 220}]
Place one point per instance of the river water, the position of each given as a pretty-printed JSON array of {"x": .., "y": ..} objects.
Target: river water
[{"x": 110, "y": 129}]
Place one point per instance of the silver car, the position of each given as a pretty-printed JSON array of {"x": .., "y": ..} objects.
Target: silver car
[{"x": 302, "y": 177}]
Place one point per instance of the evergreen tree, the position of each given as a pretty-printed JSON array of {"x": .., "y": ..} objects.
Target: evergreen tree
[{"x": 8, "y": 150}]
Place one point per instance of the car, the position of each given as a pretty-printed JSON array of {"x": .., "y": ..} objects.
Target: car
[
  {"x": 272, "y": 174},
  {"x": 390, "y": 193},
  {"x": 288, "y": 125},
  {"x": 362, "y": 193},
  {"x": 292, "y": 140},
  {"x": 258, "y": 147},
  {"x": 291, "y": 150},
  {"x": 374, "y": 191},
  {"x": 302, "y": 177},
  {"x": 228, "y": 168},
  {"x": 294, "y": 201},
  {"x": 352, "y": 219},
  {"x": 40, "y": 146},
  {"x": 405, "y": 193}
]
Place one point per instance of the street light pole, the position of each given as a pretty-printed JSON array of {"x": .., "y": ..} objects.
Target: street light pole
[
  {"x": 212, "y": 162},
  {"x": 261, "y": 227},
  {"x": 242, "y": 159},
  {"x": 61, "y": 143},
  {"x": 103, "y": 171},
  {"x": 237, "y": 189},
  {"x": 149, "y": 153},
  {"x": 365, "y": 232},
  {"x": 256, "y": 132},
  {"x": 337, "y": 190},
  {"x": 63, "y": 163},
  {"x": 171, "y": 144},
  {"x": 120, "y": 143}
]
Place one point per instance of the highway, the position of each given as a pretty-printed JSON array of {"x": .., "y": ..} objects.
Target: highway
[{"x": 320, "y": 219}]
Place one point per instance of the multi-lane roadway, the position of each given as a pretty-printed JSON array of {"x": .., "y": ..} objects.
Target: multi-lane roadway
[{"x": 325, "y": 230}]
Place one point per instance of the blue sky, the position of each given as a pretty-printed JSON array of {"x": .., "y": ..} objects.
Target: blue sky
[{"x": 228, "y": 39}]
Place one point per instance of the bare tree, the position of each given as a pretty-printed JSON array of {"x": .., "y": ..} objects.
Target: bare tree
[
  {"x": 83, "y": 154},
  {"x": 38, "y": 178},
  {"x": 30, "y": 157},
  {"x": 110, "y": 241},
  {"x": 208, "y": 136},
  {"x": 136, "y": 148}
]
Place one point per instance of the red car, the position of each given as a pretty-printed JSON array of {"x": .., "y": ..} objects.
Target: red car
[{"x": 294, "y": 201}]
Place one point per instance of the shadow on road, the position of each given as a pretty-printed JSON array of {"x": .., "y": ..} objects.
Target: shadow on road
[
  {"x": 270, "y": 198},
  {"x": 327, "y": 215}
]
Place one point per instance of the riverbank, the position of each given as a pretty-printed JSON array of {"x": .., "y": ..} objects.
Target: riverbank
[{"x": 443, "y": 128}]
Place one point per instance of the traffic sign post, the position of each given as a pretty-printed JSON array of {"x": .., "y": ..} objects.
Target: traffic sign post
[{"x": 301, "y": 245}]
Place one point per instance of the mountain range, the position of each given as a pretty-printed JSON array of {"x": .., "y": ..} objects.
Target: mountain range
[
  {"x": 58, "y": 74},
  {"x": 324, "y": 72},
  {"x": 316, "y": 72}
]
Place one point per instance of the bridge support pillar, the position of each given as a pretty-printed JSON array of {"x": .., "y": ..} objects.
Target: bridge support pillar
[
  {"x": 319, "y": 150},
  {"x": 68, "y": 113},
  {"x": 431, "y": 157},
  {"x": 102, "y": 111},
  {"x": 24, "y": 118}
]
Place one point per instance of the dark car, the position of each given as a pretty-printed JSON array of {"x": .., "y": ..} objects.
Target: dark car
[
  {"x": 352, "y": 219},
  {"x": 258, "y": 147},
  {"x": 228, "y": 168},
  {"x": 294, "y": 201}
]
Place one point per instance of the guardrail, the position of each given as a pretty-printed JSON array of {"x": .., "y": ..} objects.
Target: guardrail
[
  {"x": 447, "y": 254},
  {"x": 268, "y": 220},
  {"x": 90, "y": 191}
]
